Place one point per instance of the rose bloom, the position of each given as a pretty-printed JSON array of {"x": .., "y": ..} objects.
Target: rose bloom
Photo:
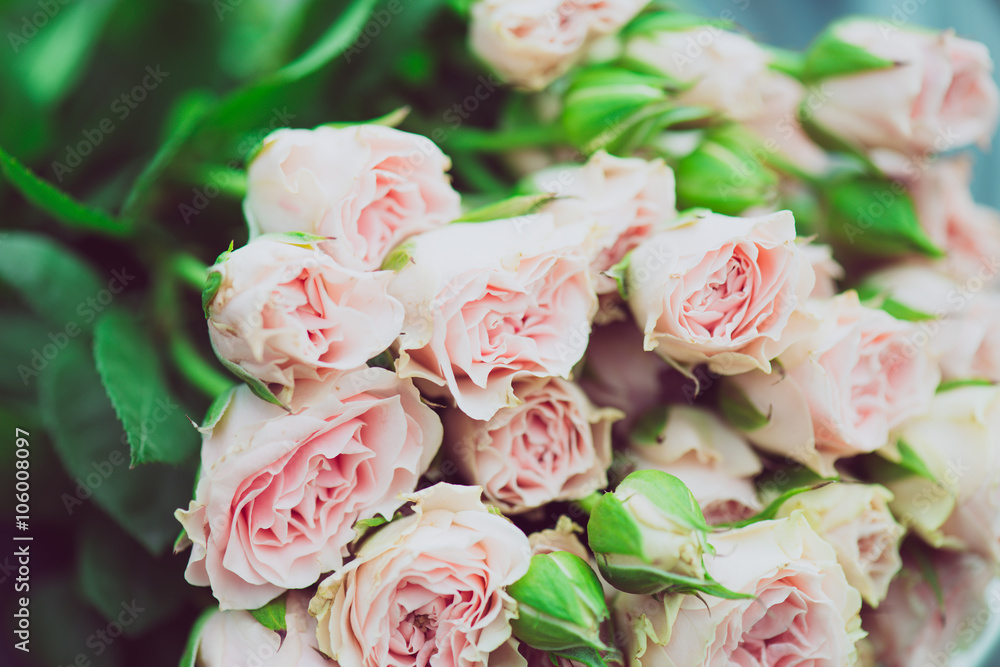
[
  {"x": 965, "y": 337},
  {"x": 913, "y": 629},
  {"x": 554, "y": 445},
  {"x": 843, "y": 388},
  {"x": 530, "y": 43},
  {"x": 285, "y": 311},
  {"x": 561, "y": 538},
  {"x": 938, "y": 96},
  {"x": 712, "y": 459},
  {"x": 804, "y": 613},
  {"x": 367, "y": 187},
  {"x": 489, "y": 303},
  {"x": 968, "y": 232},
  {"x": 956, "y": 438},
  {"x": 855, "y": 519},
  {"x": 778, "y": 128},
  {"x": 826, "y": 268},
  {"x": 237, "y": 639},
  {"x": 428, "y": 588},
  {"x": 279, "y": 492},
  {"x": 619, "y": 373},
  {"x": 720, "y": 290},
  {"x": 628, "y": 197}
]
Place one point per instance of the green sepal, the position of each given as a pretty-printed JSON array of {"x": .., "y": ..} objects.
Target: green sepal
[
  {"x": 648, "y": 429},
  {"x": 399, "y": 258},
  {"x": 619, "y": 273},
  {"x": 829, "y": 56},
  {"x": 674, "y": 21},
  {"x": 948, "y": 385},
  {"x": 392, "y": 119},
  {"x": 513, "y": 207},
  {"x": 212, "y": 284},
  {"x": 645, "y": 579},
  {"x": 217, "y": 409},
  {"x": 876, "y": 298},
  {"x": 612, "y": 530},
  {"x": 256, "y": 385},
  {"x": 272, "y": 616},
  {"x": 666, "y": 492},
  {"x": 771, "y": 511},
  {"x": 911, "y": 461},
  {"x": 737, "y": 408},
  {"x": 190, "y": 655}
]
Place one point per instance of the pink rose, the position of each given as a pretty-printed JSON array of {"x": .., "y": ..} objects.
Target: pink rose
[
  {"x": 619, "y": 373},
  {"x": 489, "y": 303},
  {"x": 720, "y": 290},
  {"x": 968, "y": 232},
  {"x": 628, "y": 197},
  {"x": 938, "y": 96},
  {"x": 777, "y": 125},
  {"x": 712, "y": 459},
  {"x": 237, "y": 639},
  {"x": 965, "y": 337},
  {"x": 284, "y": 311},
  {"x": 367, "y": 187},
  {"x": 530, "y": 43},
  {"x": 554, "y": 445},
  {"x": 842, "y": 389},
  {"x": 426, "y": 587},
  {"x": 912, "y": 629},
  {"x": 804, "y": 613},
  {"x": 826, "y": 268},
  {"x": 855, "y": 519},
  {"x": 561, "y": 538},
  {"x": 279, "y": 492}
]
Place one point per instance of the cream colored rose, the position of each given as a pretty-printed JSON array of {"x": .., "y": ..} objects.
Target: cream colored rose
[
  {"x": 712, "y": 459},
  {"x": 805, "y": 612},
  {"x": 856, "y": 521},
  {"x": 426, "y": 586},
  {"x": 826, "y": 268}
]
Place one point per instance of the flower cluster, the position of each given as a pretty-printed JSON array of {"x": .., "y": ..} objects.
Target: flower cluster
[{"x": 652, "y": 340}]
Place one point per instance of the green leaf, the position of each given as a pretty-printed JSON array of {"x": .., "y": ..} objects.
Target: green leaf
[
  {"x": 114, "y": 570},
  {"x": 774, "y": 506},
  {"x": 126, "y": 360},
  {"x": 513, "y": 207},
  {"x": 877, "y": 216},
  {"x": 739, "y": 410},
  {"x": 57, "y": 203},
  {"x": 51, "y": 279},
  {"x": 830, "y": 56},
  {"x": 256, "y": 385},
  {"x": 272, "y": 616},
  {"x": 384, "y": 360},
  {"x": 392, "y": 119},
  {"x": 93, "y": 450},
  {"x": 217, "y": 409},
  {"x": 648, "y": 429},
  {"x": 190, "y": 656}
]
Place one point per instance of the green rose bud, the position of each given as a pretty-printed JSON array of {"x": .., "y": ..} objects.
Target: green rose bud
[
  {"x": 649, "y": 536},
  {"x": 726, "y": 173},
  {"x": 561, "y": 608}
]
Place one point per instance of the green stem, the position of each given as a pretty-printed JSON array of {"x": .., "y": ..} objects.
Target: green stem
[
  {"x": 587, "y": 502},
  {"x": 200, "y": 373},
  {"x": 230, "y": 181},
  {"x": 190, "y": 269}
]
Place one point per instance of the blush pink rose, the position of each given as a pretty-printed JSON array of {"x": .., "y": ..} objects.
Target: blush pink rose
[
  {"x": 938, "y": 96},
  {"x": 628, "y": 198},
  {"x": 855, "y": 519},
  {"x": 489, "y": 303},
  {"x": 712, "y": 459},
  {"x": 968, "y": 232},
  {"x": 530, "y": 43},
  {"x": 804, "y": 612},
  {"x": 842, "y": 389},
  {"x": 237, "y": 639},
  {"x": 554, "y": 445},
  {"x": 720, "y": 290},
  {"x": 826, "y": 268},
  {"x": 912, "y": 629},
  {"x": 965, "y": 336},
  {"x": 777, "y": 125},
  {"x": 366, "y": 187},
  {"x": 279, "y": 492},
  {"x": 285, "y": 311},
  {"x": 426, "y": 589}
]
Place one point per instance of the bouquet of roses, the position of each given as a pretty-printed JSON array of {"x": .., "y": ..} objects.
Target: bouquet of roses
[{"x": 714, "y": 380}]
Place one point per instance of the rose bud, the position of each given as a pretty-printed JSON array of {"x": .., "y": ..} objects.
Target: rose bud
[
  {"x": 840, "y": 390},
  {"x": 628, "y": 198},
  {"x": 856, "y": 521},
  {"x": 712, "y": 459},
  {"x": 366, "y": 187},
  {"x": 488, "y": 303},
  {"x": 427, "y": 588},
  {"x": 279, "y": 492},
  {"x": 530, "y": 44},
  {"x": 719, "y": 290},
  {"x": 555, "y": 445},
  {"x": 561, "y": 607},
  {"x": 280, "y": 310},
  {"x": 909, "y": 90},
  {"x": 236, "y": 638},
  {"x": 561, "y": 538},
  {"x": 649, "y": 536}
]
